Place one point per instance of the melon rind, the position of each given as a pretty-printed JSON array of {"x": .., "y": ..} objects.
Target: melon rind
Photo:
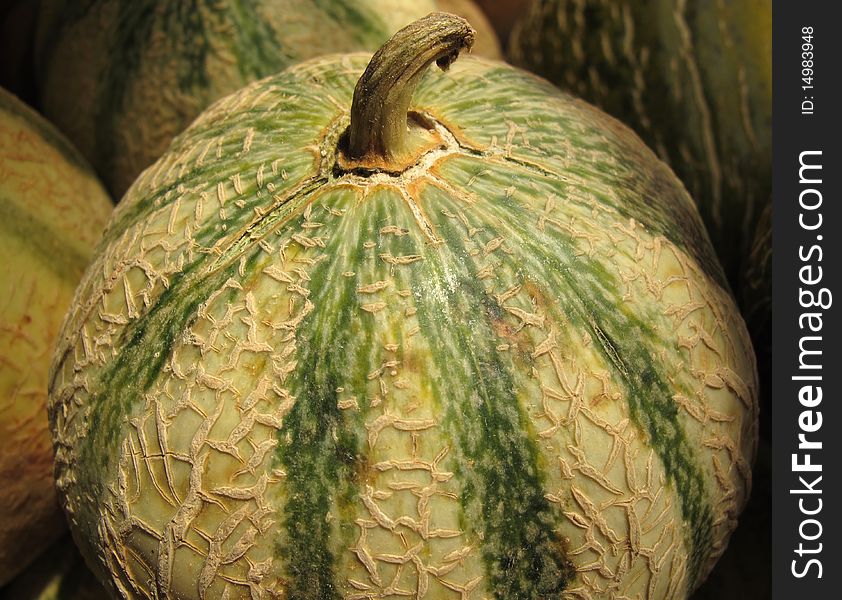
[{"x": 52, "y": 211}]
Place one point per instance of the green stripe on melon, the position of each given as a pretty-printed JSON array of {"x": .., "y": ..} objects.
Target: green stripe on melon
[
  {"x": 320, "y": 444},
  {"x": 510, "y": 370},
  {"x": 626, "y": 342}
]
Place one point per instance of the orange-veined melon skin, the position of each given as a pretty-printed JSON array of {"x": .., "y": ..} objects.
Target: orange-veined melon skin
[{"x": 52, "y": 212}]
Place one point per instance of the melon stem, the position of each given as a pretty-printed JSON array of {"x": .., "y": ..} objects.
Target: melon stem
[{"x": 380, "y": 132}]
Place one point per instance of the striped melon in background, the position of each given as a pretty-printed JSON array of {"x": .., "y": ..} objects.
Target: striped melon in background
[
  {"x": 491, "y": 355},
  {"x": 52, "y": 212},
  {"x": 757, "y": 291},
  {"x": 122, "y": 77}
]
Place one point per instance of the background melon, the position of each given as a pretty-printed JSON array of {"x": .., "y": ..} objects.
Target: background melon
[{"x": 52, "y": 211}]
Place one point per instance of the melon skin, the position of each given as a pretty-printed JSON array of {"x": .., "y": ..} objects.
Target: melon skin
[
  {"x": 692, "y": 78},
  {"x": 513, "y": 370},
  {"x": 52, "y": 211},
  {"x": 121, "y": 78},
  {"x": 743, "y": 570}
]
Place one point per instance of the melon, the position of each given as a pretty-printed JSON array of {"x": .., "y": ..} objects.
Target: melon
[
  {"x": 368, "y": 331},
  {"x": 693, "y": 78},
  {"x": 52, "y": 211},
  {"x": 122, "y": 78}
]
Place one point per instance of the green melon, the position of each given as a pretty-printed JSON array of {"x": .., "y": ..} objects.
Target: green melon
[
  {"x": 482, "y": 350},
  {"x": 693, "y": 78},
  {"x": 52, "y": 211},
  {"x": 122, "y": 77}
]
